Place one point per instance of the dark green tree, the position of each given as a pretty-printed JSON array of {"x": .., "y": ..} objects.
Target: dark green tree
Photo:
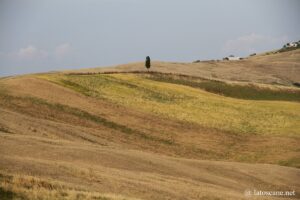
[{"x": 148, "y": 62}]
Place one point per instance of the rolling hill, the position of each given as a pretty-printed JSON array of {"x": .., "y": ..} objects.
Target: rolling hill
[
  {"x": 271, "y": 68},
  {"x": 209, "y": 130}
]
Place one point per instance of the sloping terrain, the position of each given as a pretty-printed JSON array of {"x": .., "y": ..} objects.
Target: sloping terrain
[
  {"x": 150, "y": 135},
  {"x": 271, "y": 68}
]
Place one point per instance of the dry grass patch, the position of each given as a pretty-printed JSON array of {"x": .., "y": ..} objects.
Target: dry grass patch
[{"x": 24, "y": 187}]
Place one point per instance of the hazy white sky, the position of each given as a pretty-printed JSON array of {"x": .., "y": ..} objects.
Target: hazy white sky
[{"x": 45, "y": 35}]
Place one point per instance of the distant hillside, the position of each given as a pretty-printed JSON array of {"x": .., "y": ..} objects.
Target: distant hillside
[{"x": 280, "y": 68}]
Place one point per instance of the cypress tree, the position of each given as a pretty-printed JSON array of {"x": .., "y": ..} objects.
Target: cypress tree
[{"x": 148, "y": 62}]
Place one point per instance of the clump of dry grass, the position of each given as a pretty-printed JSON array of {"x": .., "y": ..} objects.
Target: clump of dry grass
[{"x": 24, "y": 187}]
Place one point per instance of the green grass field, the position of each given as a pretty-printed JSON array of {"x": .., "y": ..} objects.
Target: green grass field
[
  {"x": 234, "y": 108},
  {"x": 246, "y": 91}
]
